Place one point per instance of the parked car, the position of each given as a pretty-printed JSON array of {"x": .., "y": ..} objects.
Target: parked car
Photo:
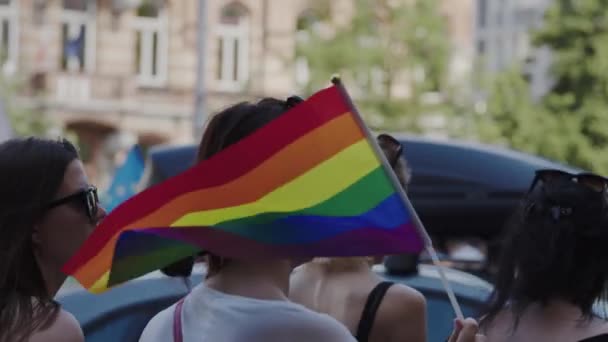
[
  {"x": 460, "y": 190},
  {"x": 122, "y": 313},
  {"x": 451, "y": 181}
]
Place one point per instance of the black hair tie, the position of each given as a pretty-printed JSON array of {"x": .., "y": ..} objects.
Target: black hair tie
[
  {"x": 292, "y": 101},
  {"x": 181, "y": 268}
]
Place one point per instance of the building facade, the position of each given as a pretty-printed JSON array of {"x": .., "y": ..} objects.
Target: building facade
[
  {"x": 116, "y": 72},
  {"x": 503, "y": 38}
]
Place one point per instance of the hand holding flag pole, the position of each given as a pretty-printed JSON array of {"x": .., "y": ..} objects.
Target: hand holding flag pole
[{"x": 428, "y": 244}]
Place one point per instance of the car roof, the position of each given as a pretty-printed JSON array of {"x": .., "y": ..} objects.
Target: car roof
[
  {"x": 471, "y": 162},
  {"x": 486, "y": 165},
  {"x": 156, "y": 287},
  {"x": 452, "y": 181},
  {"x": 170, "y": 160}
]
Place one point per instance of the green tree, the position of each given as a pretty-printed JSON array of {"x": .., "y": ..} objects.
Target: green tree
[
  {"x": 390, "y": 55},
  {"x": 577, "y": 32},
  {"x": 25, "y": 121},
  {"x": 513, "y": 119}
]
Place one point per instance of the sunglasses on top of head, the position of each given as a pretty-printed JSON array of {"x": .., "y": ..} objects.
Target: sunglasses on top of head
[
  {"x": 395, "y": 149},
  {"x": 85, "y": 198},
  {"x": 593, "y": 182}
]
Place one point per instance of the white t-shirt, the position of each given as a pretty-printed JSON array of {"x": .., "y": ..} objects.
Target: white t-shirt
[{"x": 210, "y": 315}]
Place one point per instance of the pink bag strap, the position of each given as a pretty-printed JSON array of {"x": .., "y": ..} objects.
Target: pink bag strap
[{"x": 177, "y": 321}]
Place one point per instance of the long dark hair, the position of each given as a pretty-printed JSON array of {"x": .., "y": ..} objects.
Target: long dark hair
[
  {"x": 555, "y": 248},
  {"x": 31, "y": 172},
  {"x": 224, "y": 129}
]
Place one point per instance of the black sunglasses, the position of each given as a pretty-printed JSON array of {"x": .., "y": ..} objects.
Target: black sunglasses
[
  {"x": 87, "y": 198},
  {"x": 395, "y": 148},
  {"x": 591, "y": 181}
]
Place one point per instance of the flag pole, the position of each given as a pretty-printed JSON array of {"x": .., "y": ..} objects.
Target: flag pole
[{"x": 428, "y": 244}]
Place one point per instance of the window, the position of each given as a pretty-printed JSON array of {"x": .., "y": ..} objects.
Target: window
[
  {"x": 482, "y": 9},
  {"x": 526, "y": 17},
  {"x": 75, "y": 5},
  {"x": 523, "y": 46},
  {"x": 151, "y": 45},
  {"x": 233, "y": 48},
  {"x": 481, "y": 47},
  {"x": 78, "y": 35},
  {"x": 8, "y": 36}
]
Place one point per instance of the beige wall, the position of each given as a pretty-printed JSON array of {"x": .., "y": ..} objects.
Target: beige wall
[
  {"x": 460, "y": 16},
  {"x": 118, "y": 102},
  {"x": 272, "y": 24}
]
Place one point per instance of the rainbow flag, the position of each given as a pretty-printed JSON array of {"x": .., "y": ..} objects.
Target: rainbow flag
[{"x": 307, "y": 184}]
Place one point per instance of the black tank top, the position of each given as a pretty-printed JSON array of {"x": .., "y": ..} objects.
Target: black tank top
[{"x": 369, "y": 311}]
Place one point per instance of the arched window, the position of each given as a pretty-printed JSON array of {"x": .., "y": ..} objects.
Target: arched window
[
  {"x": 78, "y": 35},
  {"x": 233, "y": 47},
  {"x": 151, "y": 44}
]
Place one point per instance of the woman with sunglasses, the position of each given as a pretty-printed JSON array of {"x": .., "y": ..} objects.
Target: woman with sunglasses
[
  {"x": 47, "y": 210},
  {"x": 350, "y": 291},
  {"x": 554, "y": 263}
]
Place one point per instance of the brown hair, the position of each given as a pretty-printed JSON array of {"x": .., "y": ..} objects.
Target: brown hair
[
  {"x": 393, "y": 150},
  {"x": 32, "y": 172},
  {"x": 230, "y": 126}
]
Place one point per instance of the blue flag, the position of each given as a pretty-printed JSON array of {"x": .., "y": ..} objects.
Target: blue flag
[
  {"x": 126, "y": 178},
  {"x": 73, "y": 47}
]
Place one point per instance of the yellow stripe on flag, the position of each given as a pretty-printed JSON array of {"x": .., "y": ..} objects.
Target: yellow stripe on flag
[{"x": 315, "y": 186}]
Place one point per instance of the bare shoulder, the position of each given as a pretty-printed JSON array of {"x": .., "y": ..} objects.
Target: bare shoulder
[
  {"x": 64, "y": 328},
  {"x": 402, "y": 314},
  {"x": 403, "y": 300},
  {"x": 299, "y": 281},
  {"x": 301, "y": 273},
  {"x": 296, "y": 276}
]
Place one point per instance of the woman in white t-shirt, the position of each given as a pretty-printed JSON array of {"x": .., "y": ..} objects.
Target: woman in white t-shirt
[{"x": 242, "y": 300}]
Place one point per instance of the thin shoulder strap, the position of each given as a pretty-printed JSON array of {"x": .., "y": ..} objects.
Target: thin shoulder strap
[
  {"x": 369, "y": 312},
  {"x": 177, "y": 321}
]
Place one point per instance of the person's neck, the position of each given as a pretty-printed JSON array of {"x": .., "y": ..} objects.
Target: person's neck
[
  {"x": 53, "y": 278},
  {"x": 356, "y": 265},
  {"x": 558, "y": 309},
  {"x": 260, "y": 280}
]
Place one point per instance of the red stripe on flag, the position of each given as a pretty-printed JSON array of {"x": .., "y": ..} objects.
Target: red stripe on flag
[{"x": 232, "y": 163}]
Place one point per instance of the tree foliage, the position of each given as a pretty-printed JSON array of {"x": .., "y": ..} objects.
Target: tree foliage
[
  {"x": 25, "y": 121},
  {"x": 570, "y": 123},
  {"x": 577, "y": 33},
  {"x": 390, "y": 55}
]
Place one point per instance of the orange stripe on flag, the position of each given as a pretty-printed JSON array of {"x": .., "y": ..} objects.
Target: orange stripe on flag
[{"x": 287, "y": 164}]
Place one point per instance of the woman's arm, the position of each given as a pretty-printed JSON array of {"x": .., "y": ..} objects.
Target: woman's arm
[{"x": 402, "y": 315}]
